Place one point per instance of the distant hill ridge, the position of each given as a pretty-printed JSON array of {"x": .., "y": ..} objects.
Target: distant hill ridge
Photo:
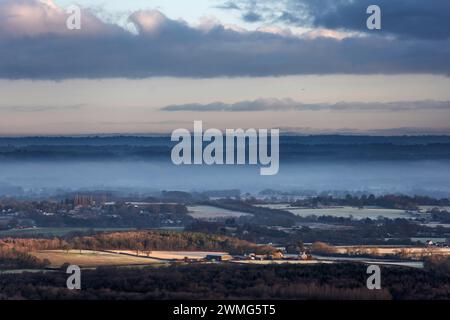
[{"x": 294, "y": 148}]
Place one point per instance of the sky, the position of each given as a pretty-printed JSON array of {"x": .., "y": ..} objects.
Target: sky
[{"x": 156, "y": 65}]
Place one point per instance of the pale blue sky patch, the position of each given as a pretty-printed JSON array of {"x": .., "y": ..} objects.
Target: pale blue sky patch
[{"x": 190, "y": 11}]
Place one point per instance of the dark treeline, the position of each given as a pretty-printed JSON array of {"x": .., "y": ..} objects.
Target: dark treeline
[
  {"x": 340, "y": 281},
  {"x": 346, "y": 231},
  {"x": 292, "y": 148},
  {"x": 141, "y": 221},
  {"x": 13, "y": 259},
  {"x": 65, "y": 213},
  {"x": 442, "y": 216},
  {"x": 386, "y": 201},
  {"x": 166, "y": 240},
  {"x": 260, "y": 215}
]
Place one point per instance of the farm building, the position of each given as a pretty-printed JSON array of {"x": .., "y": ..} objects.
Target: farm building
[{"x": 218, "y": 257}]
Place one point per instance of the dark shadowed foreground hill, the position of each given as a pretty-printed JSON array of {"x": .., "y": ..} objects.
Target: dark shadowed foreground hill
[{"x": 342, "y": 281}]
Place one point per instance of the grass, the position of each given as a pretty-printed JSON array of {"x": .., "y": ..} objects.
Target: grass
[
  {"x": 88, "y": 258},
  {"x": 170, "y": 255}
]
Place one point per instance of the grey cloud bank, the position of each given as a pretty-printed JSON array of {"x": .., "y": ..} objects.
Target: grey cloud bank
[
  {"x": 292, "y": 105},
  {"x": 41, "y": 108},
  {"x": 165, "y": 47}
]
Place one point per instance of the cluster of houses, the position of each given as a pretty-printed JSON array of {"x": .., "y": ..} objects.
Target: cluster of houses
[
  {"x": 257, "y": 257},
  {"x": 431, "y": 243}
]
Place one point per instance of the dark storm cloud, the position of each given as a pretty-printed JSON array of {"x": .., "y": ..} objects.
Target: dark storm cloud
[
  {"x": 410, "y": 18},
  {"x": 405, "y": 18},
  {"x": 187, "y": 52},
  {"x": 32, "y": 49},
  {"x": 292, "y": 105}
]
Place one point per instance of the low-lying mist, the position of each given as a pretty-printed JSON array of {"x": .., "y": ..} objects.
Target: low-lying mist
[
  {"x": 47, "y": 165},
  {"x": 431, "y": 177}
]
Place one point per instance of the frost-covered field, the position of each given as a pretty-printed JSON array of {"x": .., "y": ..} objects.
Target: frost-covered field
[
  {"x": 345, "y": 212},
  {"x": 212, "y": 213}
]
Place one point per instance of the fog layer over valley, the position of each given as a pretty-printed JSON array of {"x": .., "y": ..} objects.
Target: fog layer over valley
[{"x": 412, "y": 165}]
